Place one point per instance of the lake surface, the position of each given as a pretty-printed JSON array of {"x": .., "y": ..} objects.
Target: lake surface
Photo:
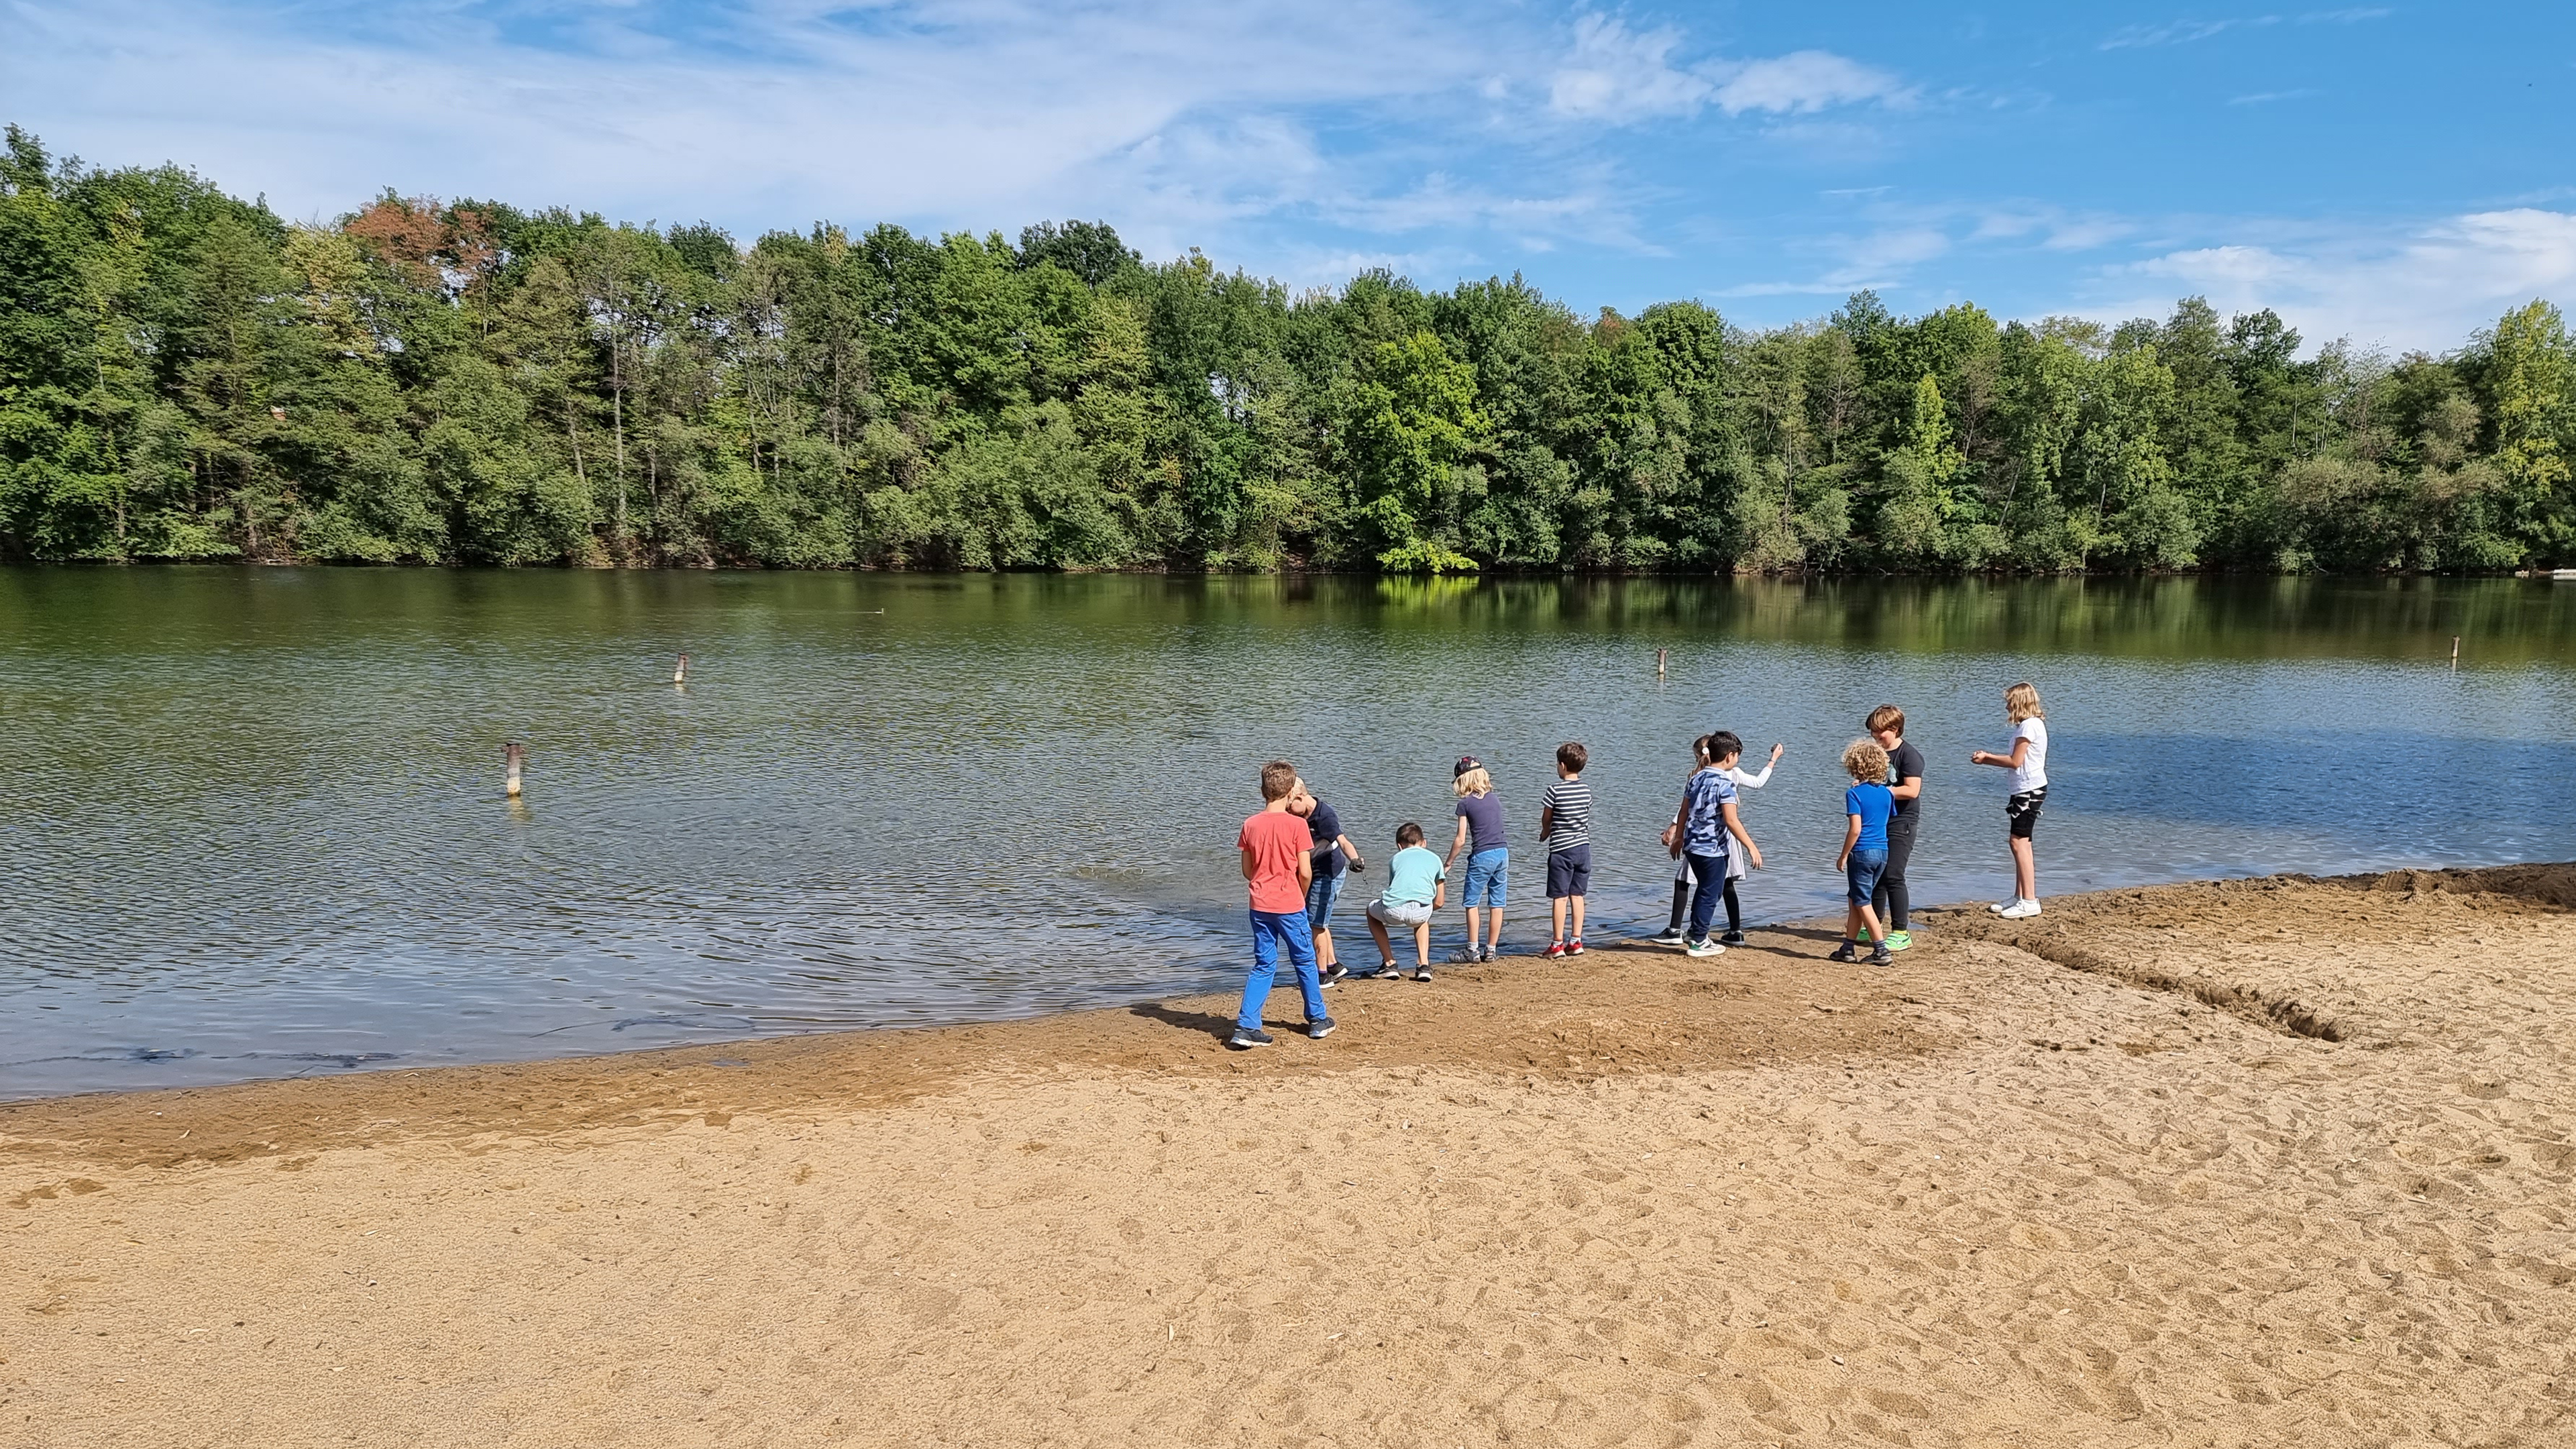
[{"x": 258, "y": 828}]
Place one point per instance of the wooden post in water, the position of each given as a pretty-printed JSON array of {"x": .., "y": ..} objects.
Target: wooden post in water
[
  {"x": 681, "y": 674},
  {"x": 2455, "y": 651},
  {"x": 1659, "y": 664},
  {"x": 513, "y": 756}
]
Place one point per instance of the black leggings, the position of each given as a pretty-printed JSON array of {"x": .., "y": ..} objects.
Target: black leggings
[
  {"x": 1682, "y": 900},
  {"x": 1893, "y": 902}
]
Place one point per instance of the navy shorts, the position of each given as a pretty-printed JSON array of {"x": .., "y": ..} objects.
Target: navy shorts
[{"x": 1569, "y": 871}]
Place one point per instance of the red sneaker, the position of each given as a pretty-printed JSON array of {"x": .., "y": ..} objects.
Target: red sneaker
[
  {"x": 1554, "y": 950},
  {"x": 1574, "y": 947}
]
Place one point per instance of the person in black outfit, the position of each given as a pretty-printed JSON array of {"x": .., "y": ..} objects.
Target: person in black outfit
[{"x": 1891, "y": 900}]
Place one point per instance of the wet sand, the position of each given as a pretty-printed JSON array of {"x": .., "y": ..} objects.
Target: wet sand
[{"x": 2266, "y": 1162}]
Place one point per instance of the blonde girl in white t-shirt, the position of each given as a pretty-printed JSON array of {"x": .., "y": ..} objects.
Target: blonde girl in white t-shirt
[{"x": 2028, "y": 761}]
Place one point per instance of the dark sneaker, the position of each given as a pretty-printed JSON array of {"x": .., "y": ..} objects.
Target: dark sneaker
[
  {"x": 1847, "y": 953},
  {"x": 1421, "y": 973},
  {"x": 1320, "y": 1028},
  {"x": 1574, "y": 947},
  {"x": 1733, "y": 938},
  {"x": 1485, "y": 955},
  {"x": 1245, "y": 1039},
  {"x": 1464, "y": 956},
  {"x": 1554, "y": 950},
  {"x": 1331, "y": 974},
  {"x": 1881, "y": 956},
  {"x": 1672, "y": 936}
]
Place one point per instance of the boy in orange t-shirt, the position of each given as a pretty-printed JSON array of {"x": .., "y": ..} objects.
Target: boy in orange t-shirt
[{"x": 1278, "y": 862}]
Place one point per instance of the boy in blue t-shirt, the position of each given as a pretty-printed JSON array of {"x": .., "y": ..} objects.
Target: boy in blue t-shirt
[
  {"x": 1707, "y": 820},
  {"x": 1866, "y": 808}
]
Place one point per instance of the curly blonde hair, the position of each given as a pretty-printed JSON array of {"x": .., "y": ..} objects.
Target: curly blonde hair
[
  {"x": 1866, "y": 762},
  {"x": 1474, "y": 782}
]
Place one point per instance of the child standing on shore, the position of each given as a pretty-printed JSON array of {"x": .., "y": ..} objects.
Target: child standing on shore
[
  {"x": 1710, "y": 832},
  {"x": 1894, "y": 901},
  {"x": 1278, "y": 866},
  {"x": 1744, "y": 780},
  {"x": 1334, "y": 855},
  {"x": 1866, "y": 808},
  {"x": 2028, "y": 761},
  {"x": 1565, "y": 823},
  {"x": 1416, "y": 887},
  {"x": 1480, "y": 826}
]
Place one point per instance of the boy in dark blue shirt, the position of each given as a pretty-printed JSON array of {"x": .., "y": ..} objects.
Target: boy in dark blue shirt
[{"x": 1866, "y": 808}]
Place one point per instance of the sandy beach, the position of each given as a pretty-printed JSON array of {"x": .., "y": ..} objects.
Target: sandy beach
[{"x": 2262, "y": 1162}]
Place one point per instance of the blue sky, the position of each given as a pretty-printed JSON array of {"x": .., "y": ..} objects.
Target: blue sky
[{"x": 2397, "y": 174}]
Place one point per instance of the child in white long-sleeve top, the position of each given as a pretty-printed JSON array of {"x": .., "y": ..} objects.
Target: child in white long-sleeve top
[{"x": 1745, "y": 779}]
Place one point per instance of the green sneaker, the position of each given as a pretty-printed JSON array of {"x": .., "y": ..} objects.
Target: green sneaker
[
  {"x": 1864, "y": 937},
  {"x": 1899, "y": 940}
]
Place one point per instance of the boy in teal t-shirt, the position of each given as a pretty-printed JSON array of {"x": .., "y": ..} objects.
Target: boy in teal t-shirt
[{"x": 1417, "y": 885}]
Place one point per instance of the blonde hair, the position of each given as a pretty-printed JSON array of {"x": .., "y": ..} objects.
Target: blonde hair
[
  {"x": 1866, "y": 762},
  {"x": 2021, "y": 702},
  {"x": 1474, "y": 782}
]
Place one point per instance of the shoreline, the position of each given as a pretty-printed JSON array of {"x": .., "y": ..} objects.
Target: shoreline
[
  {"x": 899, "y": 1063},
  {"x": 2271, "y": 1161}
]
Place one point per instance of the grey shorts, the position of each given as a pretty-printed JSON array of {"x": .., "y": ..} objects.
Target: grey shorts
[{"x": 1402, "y": 913}]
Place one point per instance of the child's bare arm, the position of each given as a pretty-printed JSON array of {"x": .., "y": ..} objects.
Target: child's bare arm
[
  {"x": 1440, "y": 896},
  {"x": 1246, "y": 853},
  {"x": 1305, "y": 869},
  {"x": 1546, "y": 817},
  {"x": 1735, "y": 827},
  {"x": 1457, "y": 843},
  {"x": 2020, "y": 752},
  {"x": 1349, "y": 851},
  {"x": 1851, "y": 837}
]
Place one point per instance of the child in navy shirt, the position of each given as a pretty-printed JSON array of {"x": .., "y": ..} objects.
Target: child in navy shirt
[{"x": 1866, "y": 808}]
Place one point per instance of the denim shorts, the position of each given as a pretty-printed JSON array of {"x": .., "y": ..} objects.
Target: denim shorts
[
  {"x": 1485, "y": 878},
  {"x": 1319, "y": 900},
  {"x": 1863, "y": 873}
]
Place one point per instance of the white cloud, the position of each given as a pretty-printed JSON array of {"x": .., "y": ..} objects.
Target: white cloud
[
  {"x": 1618, "y": 75},
  {"x": 2426, "y": 287},
  {"x": 1806, "y": 80}
]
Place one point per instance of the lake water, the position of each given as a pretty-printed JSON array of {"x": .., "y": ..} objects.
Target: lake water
[{"x": 257, "y": 825}]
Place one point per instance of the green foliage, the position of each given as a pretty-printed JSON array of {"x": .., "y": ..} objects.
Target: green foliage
[{"x": 185, "y": 376}]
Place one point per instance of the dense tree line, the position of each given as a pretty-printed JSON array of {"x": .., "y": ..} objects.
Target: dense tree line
[{"x": 185, "y": 376}]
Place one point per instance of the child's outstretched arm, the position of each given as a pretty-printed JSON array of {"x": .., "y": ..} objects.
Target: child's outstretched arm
[
  {"x": 1735, "y": 827},
  {"x": 1350, "y": 852}
]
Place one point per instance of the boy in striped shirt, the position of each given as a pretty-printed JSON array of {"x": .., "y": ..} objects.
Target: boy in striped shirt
[{"x": 1565, "y": 822}]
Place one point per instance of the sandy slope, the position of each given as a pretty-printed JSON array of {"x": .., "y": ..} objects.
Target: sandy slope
[{"x": 2268, "y": 1162}]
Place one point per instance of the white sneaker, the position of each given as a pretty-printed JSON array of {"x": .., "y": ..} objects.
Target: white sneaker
[
  {"x": 2020, "y": 910},
  {"x": 2005, "y": 905},
  {"x": 1703, "y": 947}
]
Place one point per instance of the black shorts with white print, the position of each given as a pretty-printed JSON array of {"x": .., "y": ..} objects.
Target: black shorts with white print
[{"x": 2023, "y": 811}]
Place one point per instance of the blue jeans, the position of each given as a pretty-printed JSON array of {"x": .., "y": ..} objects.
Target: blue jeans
[
  {"x": 1319, "y": 901},
  {"x": 1866, "y": 866},
  {"x": 1709, "y": 871},
  {"x": 1485, "y": 878},
  {"x": 1270, "y": 931}
]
